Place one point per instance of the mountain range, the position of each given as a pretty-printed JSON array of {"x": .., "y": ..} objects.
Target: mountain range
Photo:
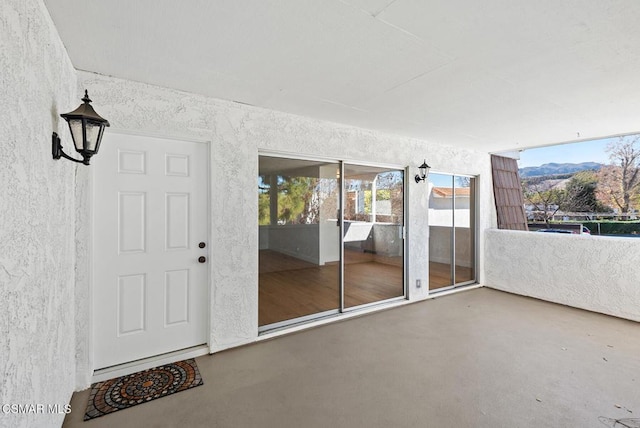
[{"x": 558, "y": 168}]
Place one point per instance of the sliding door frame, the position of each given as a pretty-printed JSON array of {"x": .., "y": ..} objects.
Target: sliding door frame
[
  {"x": 267, "y": 328},
  {"x": 473, "y": 222},
  {"x": 404, "y": 295}
]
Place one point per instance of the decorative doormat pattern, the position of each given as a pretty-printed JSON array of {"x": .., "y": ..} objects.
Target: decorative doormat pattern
[{"x": 141, "y": 387}]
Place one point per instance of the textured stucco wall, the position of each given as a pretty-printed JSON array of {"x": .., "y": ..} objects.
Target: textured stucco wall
[
  {"x": 83, "y": 242},
  {"x": 590, "y": 272},
  {"x": 237, "y": 134},
  {"x": 37, "y": 199}
]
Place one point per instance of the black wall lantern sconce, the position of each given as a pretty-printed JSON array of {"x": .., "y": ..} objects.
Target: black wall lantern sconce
[
  {"x": 86, "y": 128},
  {"x": 424, "y": 172}
]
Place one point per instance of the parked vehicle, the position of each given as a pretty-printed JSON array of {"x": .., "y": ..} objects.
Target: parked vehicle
[{"x": 585, "y": 231}]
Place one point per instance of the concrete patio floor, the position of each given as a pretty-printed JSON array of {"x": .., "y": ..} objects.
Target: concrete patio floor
[{"x": 480, "y": 358}]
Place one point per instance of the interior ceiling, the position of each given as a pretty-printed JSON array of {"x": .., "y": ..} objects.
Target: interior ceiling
[
  {"x": 269, "y": 165},
  {"x": 273, "y": 165},
  {"x": 491, "y": 75}
]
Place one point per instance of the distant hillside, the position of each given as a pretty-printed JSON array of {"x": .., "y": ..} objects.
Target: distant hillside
[{"x": 558, "y": 168}]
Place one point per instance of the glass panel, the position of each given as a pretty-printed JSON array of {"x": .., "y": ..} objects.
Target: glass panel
[
  {"x": 464, "y": 201},
  {"x": 76, "y": 133},
  {"x": 440, "y": 230},
  {"x": 92, "y": 135},
  {"x": 299, "y": 238},
  {"x": 373, "y": 243}
]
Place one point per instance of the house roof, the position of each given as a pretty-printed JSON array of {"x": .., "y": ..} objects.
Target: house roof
[
  {"x": 491, "y": 75},
  {"x": 447, "y": 192}
]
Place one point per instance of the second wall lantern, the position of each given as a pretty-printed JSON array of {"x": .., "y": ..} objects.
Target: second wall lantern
[{"x": 424, "y": 172}]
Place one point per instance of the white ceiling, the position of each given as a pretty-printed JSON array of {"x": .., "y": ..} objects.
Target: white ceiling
[{"x": 492, "y": 74}]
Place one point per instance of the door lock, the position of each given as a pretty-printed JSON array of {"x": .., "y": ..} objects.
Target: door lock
[{"x": 202, "y": 245}]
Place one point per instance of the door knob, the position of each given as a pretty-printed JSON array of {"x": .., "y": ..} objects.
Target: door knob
[{"x": 202, "y": 259}]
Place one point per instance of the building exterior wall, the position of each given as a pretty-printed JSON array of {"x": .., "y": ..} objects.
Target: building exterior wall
[
  {"x": 37, "y": 200},
  {"x": 238, "y": 133},
  {"x": 595, "y": 273}
]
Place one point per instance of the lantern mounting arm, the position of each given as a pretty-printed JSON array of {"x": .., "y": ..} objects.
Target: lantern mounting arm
[{"x": 57, "y": 152}]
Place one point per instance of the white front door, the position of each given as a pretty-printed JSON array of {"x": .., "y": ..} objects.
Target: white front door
[{"x": 150, "y": 208}]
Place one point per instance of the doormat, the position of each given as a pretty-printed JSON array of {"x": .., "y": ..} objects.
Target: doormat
[{"x": 141, "y": 387}]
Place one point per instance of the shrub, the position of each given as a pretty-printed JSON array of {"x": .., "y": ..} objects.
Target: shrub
[{"x": 613, "y": 227}]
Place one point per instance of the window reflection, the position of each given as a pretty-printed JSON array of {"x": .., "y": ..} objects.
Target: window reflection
[{"x": 451, "y": 230}]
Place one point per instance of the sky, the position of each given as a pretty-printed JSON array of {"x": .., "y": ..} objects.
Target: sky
[
  {"x": 587, "y": 151},
  {"x": 444, "y": 180}
]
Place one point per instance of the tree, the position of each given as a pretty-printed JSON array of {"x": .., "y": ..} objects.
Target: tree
[
  {"x": 264, "y": 201},
  {"x": 462, "y": 181},
  {"x": 580, "y": 193},
  {"x": 298, "y": 201},
  {"x": 619, "y": 182},
  {"x": 545, "y": 201}
]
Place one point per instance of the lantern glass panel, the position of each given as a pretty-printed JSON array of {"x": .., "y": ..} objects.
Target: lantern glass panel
[
  {"x": 93, "y": 131},
  {"x": 75, "y": 125}
]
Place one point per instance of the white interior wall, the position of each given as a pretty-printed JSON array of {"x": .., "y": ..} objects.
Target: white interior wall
[
  {"x": 263, "y": 237},
  {"x": 329, "y": 229},
  {"x": 440, "y": 245},
  {"x": 296, "y": 240},
  {"x": 238, "y": 133},
  {"x": 37, "y": 200},
  {"x": 595, "y": 273},
  {"x": 441, "y": 222}
]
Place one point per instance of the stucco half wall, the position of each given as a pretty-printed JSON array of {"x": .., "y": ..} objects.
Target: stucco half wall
[{"x": 595, "y": 273}]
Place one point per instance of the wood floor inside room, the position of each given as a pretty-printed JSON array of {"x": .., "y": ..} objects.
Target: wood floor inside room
[
  {"x": 291, "y": 288},
  {"x": 440, "y": 275}
]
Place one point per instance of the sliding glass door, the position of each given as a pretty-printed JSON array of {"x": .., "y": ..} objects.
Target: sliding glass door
[
  {"x": 451, "y": 231},
  {"x": 299, "y": 239},
  {"x": 307, "y": 267},
  {"x": 373, "y": 244},
  {"x": 464, "y": 231}
]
